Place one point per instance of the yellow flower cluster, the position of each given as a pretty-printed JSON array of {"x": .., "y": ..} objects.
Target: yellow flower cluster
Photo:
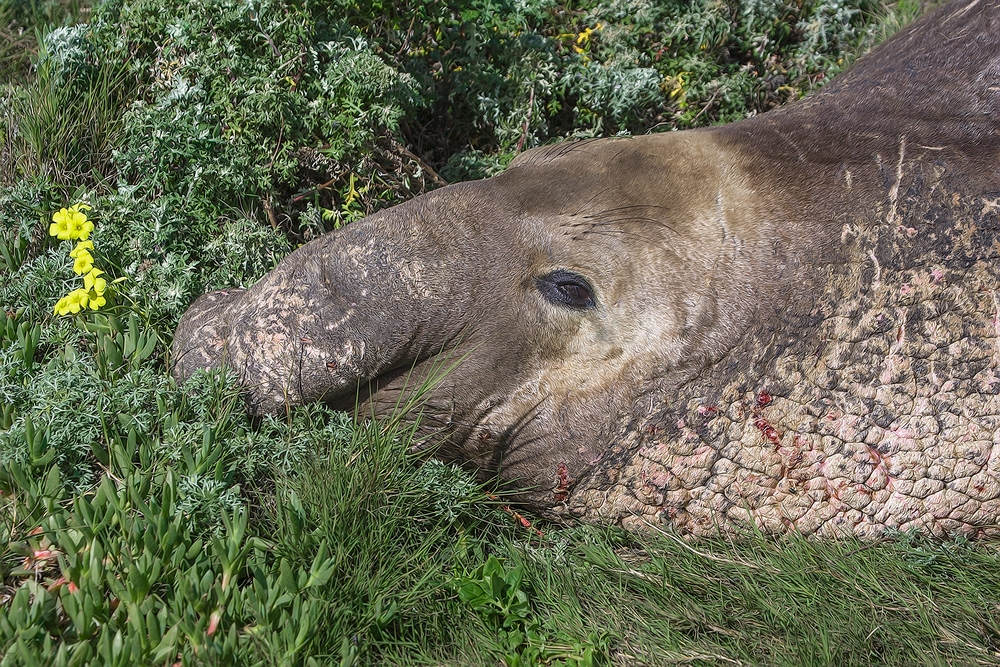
[
  {"x": 583, "y": 39},
  {"x": 674, "y": 86},
  {"x": 71, "y": 224}
]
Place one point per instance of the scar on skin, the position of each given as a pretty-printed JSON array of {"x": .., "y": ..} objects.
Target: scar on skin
[
  {"x": 877, "y": 280},
  {"x": 894, "y": 190}
]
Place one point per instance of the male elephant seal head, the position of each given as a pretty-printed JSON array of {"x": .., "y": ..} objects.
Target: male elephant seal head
[{"x": 791, "y": 322}]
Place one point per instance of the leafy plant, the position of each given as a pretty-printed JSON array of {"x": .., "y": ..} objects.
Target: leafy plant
[
  {"x": 63, "y": 123},
  {"x": 497, "y": 595}
]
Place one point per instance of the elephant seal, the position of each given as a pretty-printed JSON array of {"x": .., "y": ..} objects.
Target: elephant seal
[{"x": 789, "y": 323}]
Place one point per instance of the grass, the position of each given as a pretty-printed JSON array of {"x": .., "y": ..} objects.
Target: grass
[
  {"x": 146, "y": 523},
  {"x": 354, "y": 561},
  {"x": 63, "y": 135},
  {"x": 790, "y": 602},
  {"x": 19, "y": 22}
]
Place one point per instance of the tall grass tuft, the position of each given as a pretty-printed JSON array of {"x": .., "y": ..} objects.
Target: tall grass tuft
[
  {"x": 395, "y": 544},
  {"x": 64, "y": 124}
]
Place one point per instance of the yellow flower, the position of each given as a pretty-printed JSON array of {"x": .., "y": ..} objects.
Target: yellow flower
[
  {"x": 73, "y": 302},
  {"x": 93, "y": 282},
  {"x": 83, "y": 228},
  {"x": 60, "y": 225},
  {"x": 83, "y": 263},
  {"x": 71, "y": 223},
  {"x": 584, "y": 37},
  {"x": 82, "y": 246},
  {"x": 96, "y": 300}
]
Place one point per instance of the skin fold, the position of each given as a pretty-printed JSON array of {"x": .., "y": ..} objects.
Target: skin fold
[{"x": 791, "y": 322}]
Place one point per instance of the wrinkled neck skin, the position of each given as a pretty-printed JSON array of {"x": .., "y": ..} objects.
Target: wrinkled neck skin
[
  {"x": 795, "y": 321},
  {"x": 872, "y": 404},
  {"x": 875, "y": 408}
]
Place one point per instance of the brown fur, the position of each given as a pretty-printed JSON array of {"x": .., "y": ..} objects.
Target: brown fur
[{"x": 797, "y": 321}]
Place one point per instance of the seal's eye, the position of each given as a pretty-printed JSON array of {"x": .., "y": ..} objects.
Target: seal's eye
[{"x": 566, "y": 289}]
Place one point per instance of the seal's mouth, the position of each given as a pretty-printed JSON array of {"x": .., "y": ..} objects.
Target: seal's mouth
[{"x": 391, "y": 391}]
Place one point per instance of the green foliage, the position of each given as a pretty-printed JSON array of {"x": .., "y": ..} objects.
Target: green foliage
[
  {"x": 499, "y": 76},
  {"x": 18, "y": 22},
  {"x": 156, "y": 560},
  {"x": 119, "y": 347},
  {"x": 237, "y": 90},
  {"x": 137, "y": 587},
  {"x": 22, "y": 212},
  {"x": 453, "y": 492},
  {"x": 188, "y": 121},
  {"x": 94, "y": 392},
  {"x": 497, "y": 595},
  {"x": 778, "y": 602},
  {"x": 367, "y": 499},
  {"x": 13, "y": 248}
]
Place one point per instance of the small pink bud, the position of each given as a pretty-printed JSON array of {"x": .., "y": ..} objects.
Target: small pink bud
[{"x": 213, "y": 622}]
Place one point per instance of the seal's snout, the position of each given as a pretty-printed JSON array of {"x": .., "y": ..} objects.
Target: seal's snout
[
  {"x": 202, "y": 334},
  {"x": 283, "y": 356},
  {"x": 311, "y": 330}
]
